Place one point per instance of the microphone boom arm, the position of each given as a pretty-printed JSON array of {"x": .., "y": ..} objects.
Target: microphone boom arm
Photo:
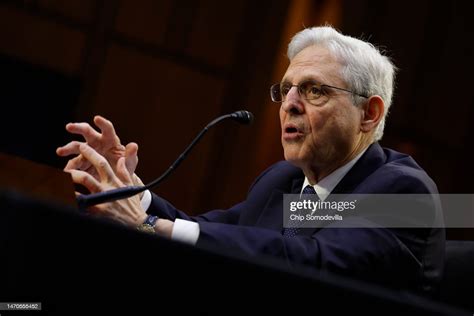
[{"x": 85, "y": 201}]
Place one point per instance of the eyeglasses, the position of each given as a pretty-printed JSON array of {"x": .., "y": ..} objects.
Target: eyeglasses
[{"x": 309, "y": 90}]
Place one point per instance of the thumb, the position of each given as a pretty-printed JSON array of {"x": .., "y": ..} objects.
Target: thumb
[
  {"x": 131, "y": 157},
  {"x": 122, "y": 171}
]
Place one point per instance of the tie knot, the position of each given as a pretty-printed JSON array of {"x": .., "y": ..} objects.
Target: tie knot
[{"x": 309, "y": 190}]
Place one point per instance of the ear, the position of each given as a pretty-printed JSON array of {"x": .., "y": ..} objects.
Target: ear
[{"x": 373, "y": 113}]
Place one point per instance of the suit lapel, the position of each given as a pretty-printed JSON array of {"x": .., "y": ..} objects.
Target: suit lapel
[
  {"x": 297, "y": 185},
  {"x": 272, "y": 214},
  {"x": 370, "y": 161}
]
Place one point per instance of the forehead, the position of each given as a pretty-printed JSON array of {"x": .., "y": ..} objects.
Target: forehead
[{"x": 314, "y": 62}]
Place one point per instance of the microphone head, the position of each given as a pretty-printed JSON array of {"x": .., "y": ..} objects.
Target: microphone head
[{"x": 243, "y": 117}]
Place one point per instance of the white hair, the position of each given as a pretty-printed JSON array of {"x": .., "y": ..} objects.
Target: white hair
[{"x": 365, "y": 70}]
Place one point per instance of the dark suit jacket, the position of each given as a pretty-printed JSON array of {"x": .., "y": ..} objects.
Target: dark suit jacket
[{"x": 403, "y": 258}]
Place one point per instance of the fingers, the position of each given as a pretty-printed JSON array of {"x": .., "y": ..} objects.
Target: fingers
[
  {"x": 131, "y": 157},
  {"x": 107, "y": 129},
  {"x": 99, "y": 162},
  {"x": 85, "y": 179},
  {"x": 122, "y": 171},
  {"x": 80, "y": 163},
  {"x": 77, "y": 163},
  {"x": 71, "y": 148},
  {"x": 84, "y": 129}
]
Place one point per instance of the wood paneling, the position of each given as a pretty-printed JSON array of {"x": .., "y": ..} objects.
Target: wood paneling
[
  {"x": 40, "y": 41},
  {"x": 216, "y": 30},
  {"x": 82, "y": 10},
  {"x": 147, "y": 21},
  {"x": 161, "y": 106},
  {"x": 233, "y": 167},
  {"x": 431, "y": 110},
  {"x": 161, "y": 71}
]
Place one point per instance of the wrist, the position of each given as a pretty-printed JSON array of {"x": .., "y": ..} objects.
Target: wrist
[
  {"x": 148, "y": 224},
  {"x": 164, "y": 227}
]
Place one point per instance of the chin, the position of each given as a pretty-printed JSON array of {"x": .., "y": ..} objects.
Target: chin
[{"x": 293, "y": 158}]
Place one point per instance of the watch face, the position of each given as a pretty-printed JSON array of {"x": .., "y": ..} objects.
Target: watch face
[{"x": 151, "y": 220}]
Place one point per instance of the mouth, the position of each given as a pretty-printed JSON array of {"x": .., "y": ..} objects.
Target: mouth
[{"x": 292, "y": 132}]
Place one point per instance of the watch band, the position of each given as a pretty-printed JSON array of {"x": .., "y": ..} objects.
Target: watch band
[{"x": 148, "y": 225}]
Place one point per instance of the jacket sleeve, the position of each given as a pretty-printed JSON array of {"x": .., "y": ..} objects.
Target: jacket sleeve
[{"x": 165, "y": 209}]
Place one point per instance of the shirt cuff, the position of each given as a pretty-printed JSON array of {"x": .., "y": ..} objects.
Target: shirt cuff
[
  {"x": 185, "y": 231},
  {"x": 146, "y": 200}
]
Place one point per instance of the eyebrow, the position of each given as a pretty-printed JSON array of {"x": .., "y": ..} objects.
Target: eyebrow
[{"x": 303, "y": 79}]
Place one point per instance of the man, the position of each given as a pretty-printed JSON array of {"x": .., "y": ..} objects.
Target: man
[{"x": 334, "y": 98}]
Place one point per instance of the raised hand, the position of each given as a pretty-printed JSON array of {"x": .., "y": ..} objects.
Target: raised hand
[
  {"x": 106, "y": 143},
  {"x": 128, "y": 211}
]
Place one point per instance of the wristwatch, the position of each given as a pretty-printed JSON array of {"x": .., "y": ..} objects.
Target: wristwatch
[{"x": 148, "y": 225}]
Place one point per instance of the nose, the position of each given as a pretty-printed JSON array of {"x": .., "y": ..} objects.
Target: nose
[{"x": 293, "y": 102}]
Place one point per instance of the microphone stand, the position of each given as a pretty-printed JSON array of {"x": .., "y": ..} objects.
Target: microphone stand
[{"x": 85, "y": 201}]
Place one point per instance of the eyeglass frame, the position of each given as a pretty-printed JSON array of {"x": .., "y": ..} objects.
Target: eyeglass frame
[{"x": 315, "y": 83}]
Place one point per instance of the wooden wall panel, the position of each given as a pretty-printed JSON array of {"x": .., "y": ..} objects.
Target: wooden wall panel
[
  {"x": 147, "y": 21},
  {"x": 441, "y": 101},
  {"x": 431, "y": 118},
  {"x": 233, "y": 168},
  {"x": 40, "y": 41},
  {"x": 215, "y": 32},
  {"x": 80, "y": 10},
  {"x": 133, "y": 67},
  {"x": 162, "y": 106}
]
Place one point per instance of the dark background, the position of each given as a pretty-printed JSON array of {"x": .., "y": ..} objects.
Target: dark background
[{"x": 160, "y": 70}]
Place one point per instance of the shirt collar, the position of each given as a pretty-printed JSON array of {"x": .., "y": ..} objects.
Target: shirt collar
[{"x": 324, "y": 187}]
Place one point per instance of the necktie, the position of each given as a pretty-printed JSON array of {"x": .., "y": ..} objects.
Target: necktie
[{"x": 292, "y": 231}]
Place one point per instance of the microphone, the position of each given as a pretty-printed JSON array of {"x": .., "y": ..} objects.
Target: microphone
[
  {"x": 85, "y": 201},
  {"x": 243, "y": 117}
]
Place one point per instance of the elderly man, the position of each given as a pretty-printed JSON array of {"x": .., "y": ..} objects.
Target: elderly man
[{"x": 334, "y": 99}]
